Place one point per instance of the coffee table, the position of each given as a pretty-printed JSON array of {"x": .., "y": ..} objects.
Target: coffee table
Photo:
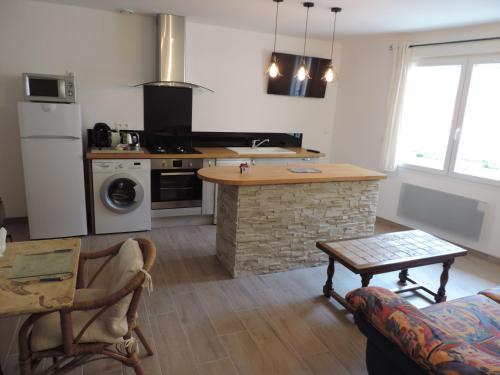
[{"x": 389, "y": 252}]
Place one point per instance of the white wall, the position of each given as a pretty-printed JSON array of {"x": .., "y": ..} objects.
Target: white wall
[
  {"x": 106, "y": 51},
  {"x": 360, "y": 125},
  {"x": 109, "y": 52},
  {"x": 232, "y": 62}
]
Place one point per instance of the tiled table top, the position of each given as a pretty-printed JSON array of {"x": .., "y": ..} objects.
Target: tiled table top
[{"x": 392, "y": 248}]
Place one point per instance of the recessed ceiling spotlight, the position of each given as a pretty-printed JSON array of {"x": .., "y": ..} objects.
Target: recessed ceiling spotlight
[{"x": 126, "y": 11}]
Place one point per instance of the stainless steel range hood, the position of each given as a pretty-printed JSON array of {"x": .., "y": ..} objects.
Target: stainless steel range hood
[{"x": 170, "y": 57}]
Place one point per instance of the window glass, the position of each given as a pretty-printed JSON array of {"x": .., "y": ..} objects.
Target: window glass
[
  {"x": 427, "y": 117},
  {"x": 479, "y": 149}
]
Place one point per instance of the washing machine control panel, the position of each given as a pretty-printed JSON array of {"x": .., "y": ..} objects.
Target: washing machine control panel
[{"x": 119, "y": 165}]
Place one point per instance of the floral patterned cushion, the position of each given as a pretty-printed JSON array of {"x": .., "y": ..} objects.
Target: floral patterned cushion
[{"x": 459, "y": 337}]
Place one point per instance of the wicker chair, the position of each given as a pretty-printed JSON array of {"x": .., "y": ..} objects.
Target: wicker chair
[{"x": 76, "y": 349}]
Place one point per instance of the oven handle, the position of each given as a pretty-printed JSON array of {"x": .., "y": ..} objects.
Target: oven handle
[{"x": 177, "y": 173}]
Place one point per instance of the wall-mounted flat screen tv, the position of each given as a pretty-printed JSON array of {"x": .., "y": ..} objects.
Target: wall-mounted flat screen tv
[{"x": 288, "y": 84}]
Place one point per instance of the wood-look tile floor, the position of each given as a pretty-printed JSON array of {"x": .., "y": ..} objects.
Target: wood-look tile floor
[{"x": 200, "y": 321}]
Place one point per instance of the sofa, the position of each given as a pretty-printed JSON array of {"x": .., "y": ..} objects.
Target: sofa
[{"x": 456, "y": 337}]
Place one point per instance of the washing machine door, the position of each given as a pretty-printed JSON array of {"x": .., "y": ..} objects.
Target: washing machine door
[{"x": 122, "y": 193}]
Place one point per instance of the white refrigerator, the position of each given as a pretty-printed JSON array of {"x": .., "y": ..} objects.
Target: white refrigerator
[{"x": 51, "y": 145}]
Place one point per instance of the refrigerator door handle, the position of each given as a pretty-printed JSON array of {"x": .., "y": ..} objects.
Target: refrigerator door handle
[{"x": 69, "y": 137}]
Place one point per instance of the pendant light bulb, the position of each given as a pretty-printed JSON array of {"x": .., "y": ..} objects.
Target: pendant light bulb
[
  {"x": 302, "y": 73},
  {"x": 273, "y": 70},
  {"x": 330, "y": 74}
]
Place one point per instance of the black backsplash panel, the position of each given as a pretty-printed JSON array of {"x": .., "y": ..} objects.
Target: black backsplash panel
[
  {"x": 167, "y": 122},
  {"x": 167, "y": 110},
  {"x": 221, "y": 139},
  {"x": 216, "y": 139}
]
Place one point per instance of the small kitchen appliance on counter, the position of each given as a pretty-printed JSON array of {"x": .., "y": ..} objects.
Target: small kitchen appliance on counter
[
  {"x": 104, "y": 140},
  {"x": 101, "y": 135},
  {"x": 131, "y": 139}
]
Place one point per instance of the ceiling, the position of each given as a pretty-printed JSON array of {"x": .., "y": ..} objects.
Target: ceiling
[{"x": 357, "y": 18}]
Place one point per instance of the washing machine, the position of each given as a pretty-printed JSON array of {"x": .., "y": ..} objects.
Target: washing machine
[{"x": 122, "y": 195}]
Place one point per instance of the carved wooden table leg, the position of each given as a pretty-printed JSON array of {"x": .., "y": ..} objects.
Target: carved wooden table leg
[
  {"x": 365, "y": 279},
  {"x": 403, "y": 275},
  {"x": 441, "y": 294},
  {"x": 327, "y": 289}
]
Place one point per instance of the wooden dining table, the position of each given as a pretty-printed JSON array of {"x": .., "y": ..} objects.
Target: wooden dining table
[{"x": 18, "y": 298}]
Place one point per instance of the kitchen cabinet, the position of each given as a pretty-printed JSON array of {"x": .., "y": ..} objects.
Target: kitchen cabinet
[{"x": 208, "y": 191}]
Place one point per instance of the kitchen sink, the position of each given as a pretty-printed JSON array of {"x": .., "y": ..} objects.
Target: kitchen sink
[{"x": 261, "y": 150}]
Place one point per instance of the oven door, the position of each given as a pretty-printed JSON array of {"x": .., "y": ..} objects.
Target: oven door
[{"x": 175, "y": 189}]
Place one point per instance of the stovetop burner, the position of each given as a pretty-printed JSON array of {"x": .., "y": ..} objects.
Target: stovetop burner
[{"x": 173, "y": 150}]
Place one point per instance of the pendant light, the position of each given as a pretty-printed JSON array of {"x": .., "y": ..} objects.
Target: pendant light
[
  {"x": 330, "y": 74},
  {"x": 303, "y": 73},
  {"x": 273, "y": 70}
]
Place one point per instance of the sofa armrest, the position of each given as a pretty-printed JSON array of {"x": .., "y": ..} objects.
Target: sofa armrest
[
  {"x": 403, "y": 324},
  {"x": 493, "y": 294},
  {"x": 419, "y": 336}
]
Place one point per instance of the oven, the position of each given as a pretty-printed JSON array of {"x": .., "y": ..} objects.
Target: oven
[{"x": 175, "y": 184}]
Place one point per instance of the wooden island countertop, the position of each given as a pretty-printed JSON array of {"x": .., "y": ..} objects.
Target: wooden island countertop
[{"x": 278, "y": 175}]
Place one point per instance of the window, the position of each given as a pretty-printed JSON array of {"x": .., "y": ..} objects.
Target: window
[
  {"x": 451, "y": 117},
  {"x": 479, "y": 149}
]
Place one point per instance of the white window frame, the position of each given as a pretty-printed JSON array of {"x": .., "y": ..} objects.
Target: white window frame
[{"x": 467, "y": 63}]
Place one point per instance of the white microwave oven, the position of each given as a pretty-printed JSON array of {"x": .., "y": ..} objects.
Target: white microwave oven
[{"x": 49, "y": 88}]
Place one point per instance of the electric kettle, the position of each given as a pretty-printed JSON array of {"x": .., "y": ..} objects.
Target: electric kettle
[{"x": 131, "y": 139}]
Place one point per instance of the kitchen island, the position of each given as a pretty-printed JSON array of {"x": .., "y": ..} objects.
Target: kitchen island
[{"x": 270, "y": 218}]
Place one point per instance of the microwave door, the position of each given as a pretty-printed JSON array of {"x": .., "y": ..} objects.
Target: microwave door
[
  {"x": 41, "y": 87},
  {"x": 49, "y": 88}
]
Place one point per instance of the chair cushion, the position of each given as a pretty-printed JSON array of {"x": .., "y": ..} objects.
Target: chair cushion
[
  {"x": 123, "y": 267},
  {"x": 46, "y": 332},
  {"x": 112, "y": 325}
]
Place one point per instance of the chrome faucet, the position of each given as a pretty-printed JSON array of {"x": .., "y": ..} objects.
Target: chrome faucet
[{"x": 257, "y": 142}]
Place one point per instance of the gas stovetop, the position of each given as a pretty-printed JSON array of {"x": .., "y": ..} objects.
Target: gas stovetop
[{"x": 173, "y": 150}]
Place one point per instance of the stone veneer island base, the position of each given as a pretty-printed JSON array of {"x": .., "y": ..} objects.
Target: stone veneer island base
[{"x": 270, "y": 219}]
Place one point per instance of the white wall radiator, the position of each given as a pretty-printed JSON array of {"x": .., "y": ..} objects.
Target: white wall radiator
[{"x": 448, "y": 212}]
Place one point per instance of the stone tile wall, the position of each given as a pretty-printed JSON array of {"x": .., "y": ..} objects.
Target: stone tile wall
[{"x": 271, "y": 228}]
